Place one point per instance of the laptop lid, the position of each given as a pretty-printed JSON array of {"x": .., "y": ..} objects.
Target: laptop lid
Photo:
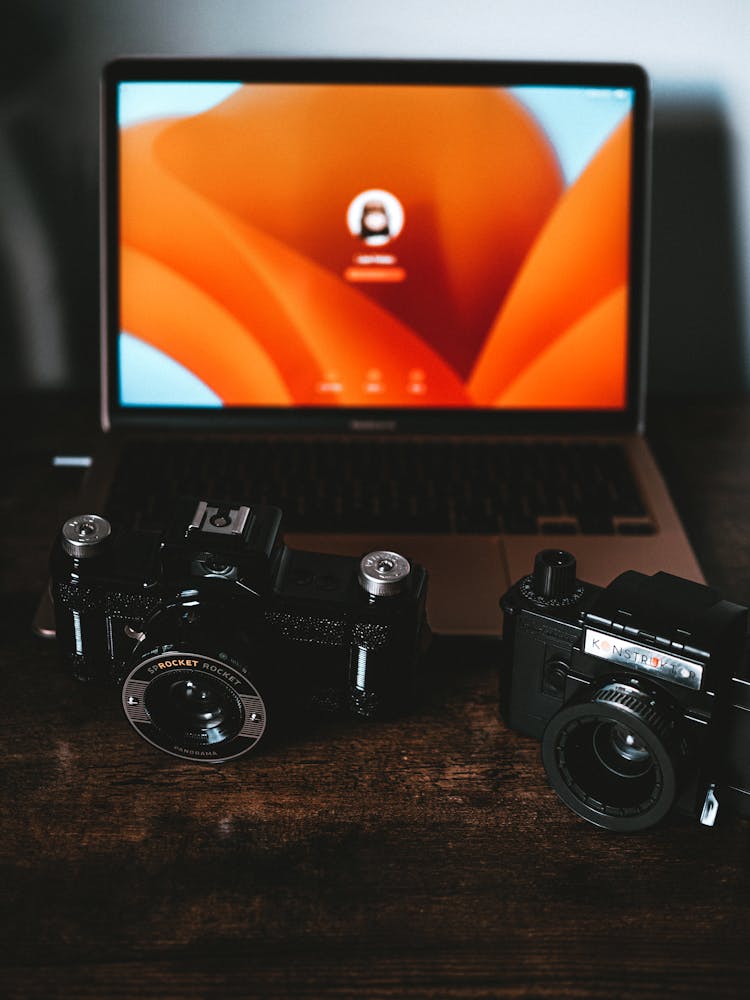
[{"x": 342, "y": 245}]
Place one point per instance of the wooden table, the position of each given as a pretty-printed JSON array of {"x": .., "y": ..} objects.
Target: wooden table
[{"x": 420, "y": 858}]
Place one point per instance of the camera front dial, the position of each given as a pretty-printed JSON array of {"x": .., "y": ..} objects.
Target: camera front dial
[{"x": 615, "y": 758}]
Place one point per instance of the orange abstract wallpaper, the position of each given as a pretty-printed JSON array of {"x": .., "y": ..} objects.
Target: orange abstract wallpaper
[{"x": 376, "y": 246}]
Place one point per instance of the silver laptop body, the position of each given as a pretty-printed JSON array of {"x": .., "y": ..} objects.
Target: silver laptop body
[{"x": 375, "y": 251}]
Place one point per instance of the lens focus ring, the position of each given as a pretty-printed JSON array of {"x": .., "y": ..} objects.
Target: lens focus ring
[{"x": 640, "y": 704}]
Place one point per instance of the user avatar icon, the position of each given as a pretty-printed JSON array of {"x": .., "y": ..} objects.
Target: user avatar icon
[
  {"x": 376, "y": 217},
  {"x": 375, "y": 222}
]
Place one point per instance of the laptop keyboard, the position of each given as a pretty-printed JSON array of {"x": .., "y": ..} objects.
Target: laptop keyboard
[{"x": 475, "y": 487}]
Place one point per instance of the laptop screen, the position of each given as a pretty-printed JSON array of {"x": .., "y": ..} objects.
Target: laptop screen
[{"x": 433, "y": 238}]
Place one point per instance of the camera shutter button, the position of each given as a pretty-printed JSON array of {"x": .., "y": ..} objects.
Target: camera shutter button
[
  {"x": 383, "y": 573},
  {"x": 81, "y": 535}
]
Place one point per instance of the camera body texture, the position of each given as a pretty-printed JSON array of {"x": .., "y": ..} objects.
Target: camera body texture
[
  {"x": 639, "y": 692},
  {"x": 218, "y": 634}
]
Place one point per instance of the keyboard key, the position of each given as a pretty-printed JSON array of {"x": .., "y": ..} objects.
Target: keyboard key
[{"x": 635, "y": 528}]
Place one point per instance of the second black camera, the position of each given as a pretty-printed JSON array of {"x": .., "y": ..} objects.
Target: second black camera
[{"x": 639, "y": 692}]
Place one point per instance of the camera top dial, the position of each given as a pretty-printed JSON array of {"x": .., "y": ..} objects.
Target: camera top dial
[{"x": 553, "y": 582}]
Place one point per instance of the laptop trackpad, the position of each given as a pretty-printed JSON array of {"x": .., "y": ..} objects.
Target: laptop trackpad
[{"x": 467, "y": 574}]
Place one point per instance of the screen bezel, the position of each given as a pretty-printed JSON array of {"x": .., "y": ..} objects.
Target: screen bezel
[{"x": 386, "y": 72}]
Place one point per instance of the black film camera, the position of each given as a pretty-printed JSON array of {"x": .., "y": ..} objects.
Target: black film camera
[
  {"x": 218, "y": 633},
  {"x": 639, "y": 692}
]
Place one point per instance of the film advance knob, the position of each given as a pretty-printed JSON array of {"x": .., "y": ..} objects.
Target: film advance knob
[
  {"x": 554, "y": 573},
  {"x": 383, "y": 573},
  {"x": 81, "y": 535}
]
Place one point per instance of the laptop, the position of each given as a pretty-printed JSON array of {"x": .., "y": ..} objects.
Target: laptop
[{"x": 403, "y": 300}]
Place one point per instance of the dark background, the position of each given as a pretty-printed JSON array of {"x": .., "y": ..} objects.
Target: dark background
[{"x": 50, "y": 56}]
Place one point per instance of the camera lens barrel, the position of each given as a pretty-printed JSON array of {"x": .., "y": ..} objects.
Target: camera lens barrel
[{"x": 615, "y": 758}]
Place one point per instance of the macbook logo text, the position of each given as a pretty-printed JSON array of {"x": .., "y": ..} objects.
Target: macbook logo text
[{"x": 372, "y": 425}]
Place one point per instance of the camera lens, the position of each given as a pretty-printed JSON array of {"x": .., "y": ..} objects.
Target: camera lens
[
  {"x": 194, "y": 709},
  {"x": 620, "y": 751},
  {"x": 194, "y": 706},
  {"x": 614, "y": 758}
]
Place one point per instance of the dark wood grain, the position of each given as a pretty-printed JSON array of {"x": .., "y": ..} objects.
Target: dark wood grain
[{"x": 420, "y": 858}]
